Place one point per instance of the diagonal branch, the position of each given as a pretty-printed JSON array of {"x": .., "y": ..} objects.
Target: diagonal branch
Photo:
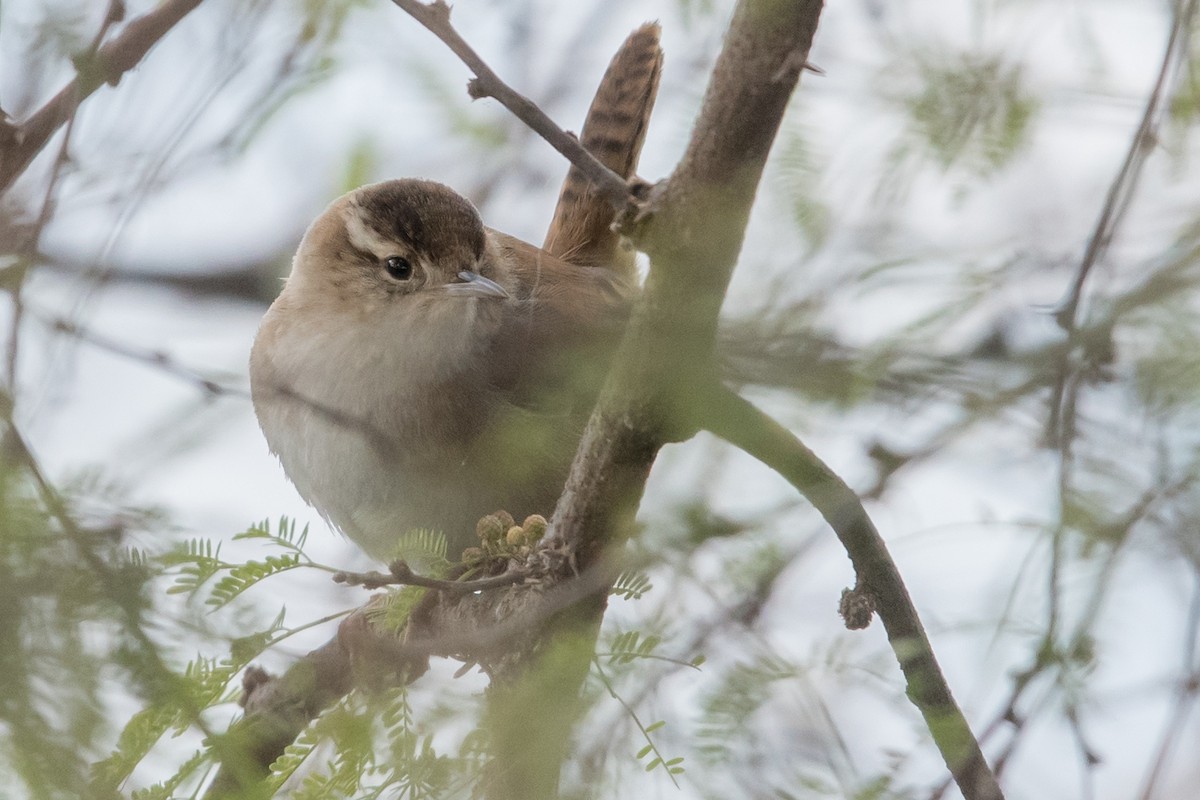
[
  {"x": 21, "y": 143},
  {"x": 879, "y": 586},
  {"x": 692, "y": 229},
  {"x": 1125, "y": 183},
  {"x": 436, "y": 17}
]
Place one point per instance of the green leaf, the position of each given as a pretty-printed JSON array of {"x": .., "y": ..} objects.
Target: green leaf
[
  {"x": 969, "y": 109},
  {"x": 631, "y": 585},
  {"x": 245, "y": 576}
]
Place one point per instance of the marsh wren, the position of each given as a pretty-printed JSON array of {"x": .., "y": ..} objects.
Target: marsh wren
[{"x": 420, "y": 370}]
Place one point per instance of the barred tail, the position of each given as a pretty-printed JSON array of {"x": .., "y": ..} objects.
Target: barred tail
[{"x": 613, "y": 132}]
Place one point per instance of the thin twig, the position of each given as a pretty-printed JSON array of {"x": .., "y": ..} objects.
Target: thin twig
[
  {"x": 435, "y": 16},
  {"x": 1087, "y": 789},
  {"x": 153, "y": 358},
  {"x": 612, "y": 692},
  {"x": 110, "y": 62},
  {"x": 1043, "y": 664},
  {"x": 1185, "y": 700},
  {"x": 1125, "y": 183},
  {"x": 400, "y": 574},
  {"x": 29, "y": 246},
  {"x": 1120, "y": 194},
  {"x": 745, "y": 426}
]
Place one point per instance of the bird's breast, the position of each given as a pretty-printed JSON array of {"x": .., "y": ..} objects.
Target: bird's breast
[
  {"x": 390, "y": 368},
  {"x": 357, "y": 407}
]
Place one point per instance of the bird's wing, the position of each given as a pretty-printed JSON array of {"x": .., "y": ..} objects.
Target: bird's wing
[{"x": 566, "y": 319}]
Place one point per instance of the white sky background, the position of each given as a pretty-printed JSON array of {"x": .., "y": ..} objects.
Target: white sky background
[{"x": 961, "y": 526}]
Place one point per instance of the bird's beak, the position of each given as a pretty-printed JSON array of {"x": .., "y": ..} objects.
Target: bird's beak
[{"x": 475, "y": 285}]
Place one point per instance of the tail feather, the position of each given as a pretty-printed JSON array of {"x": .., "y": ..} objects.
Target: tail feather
[{"x": 614, "y": 131}]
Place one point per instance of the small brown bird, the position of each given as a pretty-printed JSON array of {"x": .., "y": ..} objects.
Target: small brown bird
[{"x": 420, "y": 370}]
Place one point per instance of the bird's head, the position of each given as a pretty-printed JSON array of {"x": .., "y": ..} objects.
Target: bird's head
[{"x": 393, "y": 240}]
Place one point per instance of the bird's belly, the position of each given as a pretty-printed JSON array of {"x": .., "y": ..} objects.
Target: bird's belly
[{"x": 375, "y": 483}]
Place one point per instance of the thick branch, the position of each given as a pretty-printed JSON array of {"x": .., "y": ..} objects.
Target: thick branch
[
  {"x": 23, "y": 142},
  {"x": 692, "y": 230},
  {"x": 277, "y": 710},
  {"x": 436, "y": 17},
  {"x": 879, "y": 586}
]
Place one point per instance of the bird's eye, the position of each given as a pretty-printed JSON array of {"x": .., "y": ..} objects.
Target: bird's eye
[{"x": 398, "y": 267}]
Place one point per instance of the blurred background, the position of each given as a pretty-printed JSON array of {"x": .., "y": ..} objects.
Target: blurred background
[{"x": 904, "y": 302}]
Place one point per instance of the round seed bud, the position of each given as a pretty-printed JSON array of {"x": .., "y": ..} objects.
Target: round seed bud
[
  {"x": 472, "y": 554},
  {"x": 506, "y": 519},
  {"x": 490, "y": 528},
  {"x": 535, "y": 527},
  {"x": 515, "y": 536}
]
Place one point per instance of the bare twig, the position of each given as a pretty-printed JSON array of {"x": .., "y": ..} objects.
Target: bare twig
[
  {"x": 152, "y": 358},
  {"x": 400, "y": 574},
  {"x": 739, "y": 422},
  {"x": 29, "y": 244},
  {"x": 435, "y": 16},
  {"x": 1125, "y": 182},
  {"x": 1013, "y": 712},
  {"x": 110, "y": 62},
  {"x": 1185, "y": 700},
  {"x": 1120, "y": 194}
]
